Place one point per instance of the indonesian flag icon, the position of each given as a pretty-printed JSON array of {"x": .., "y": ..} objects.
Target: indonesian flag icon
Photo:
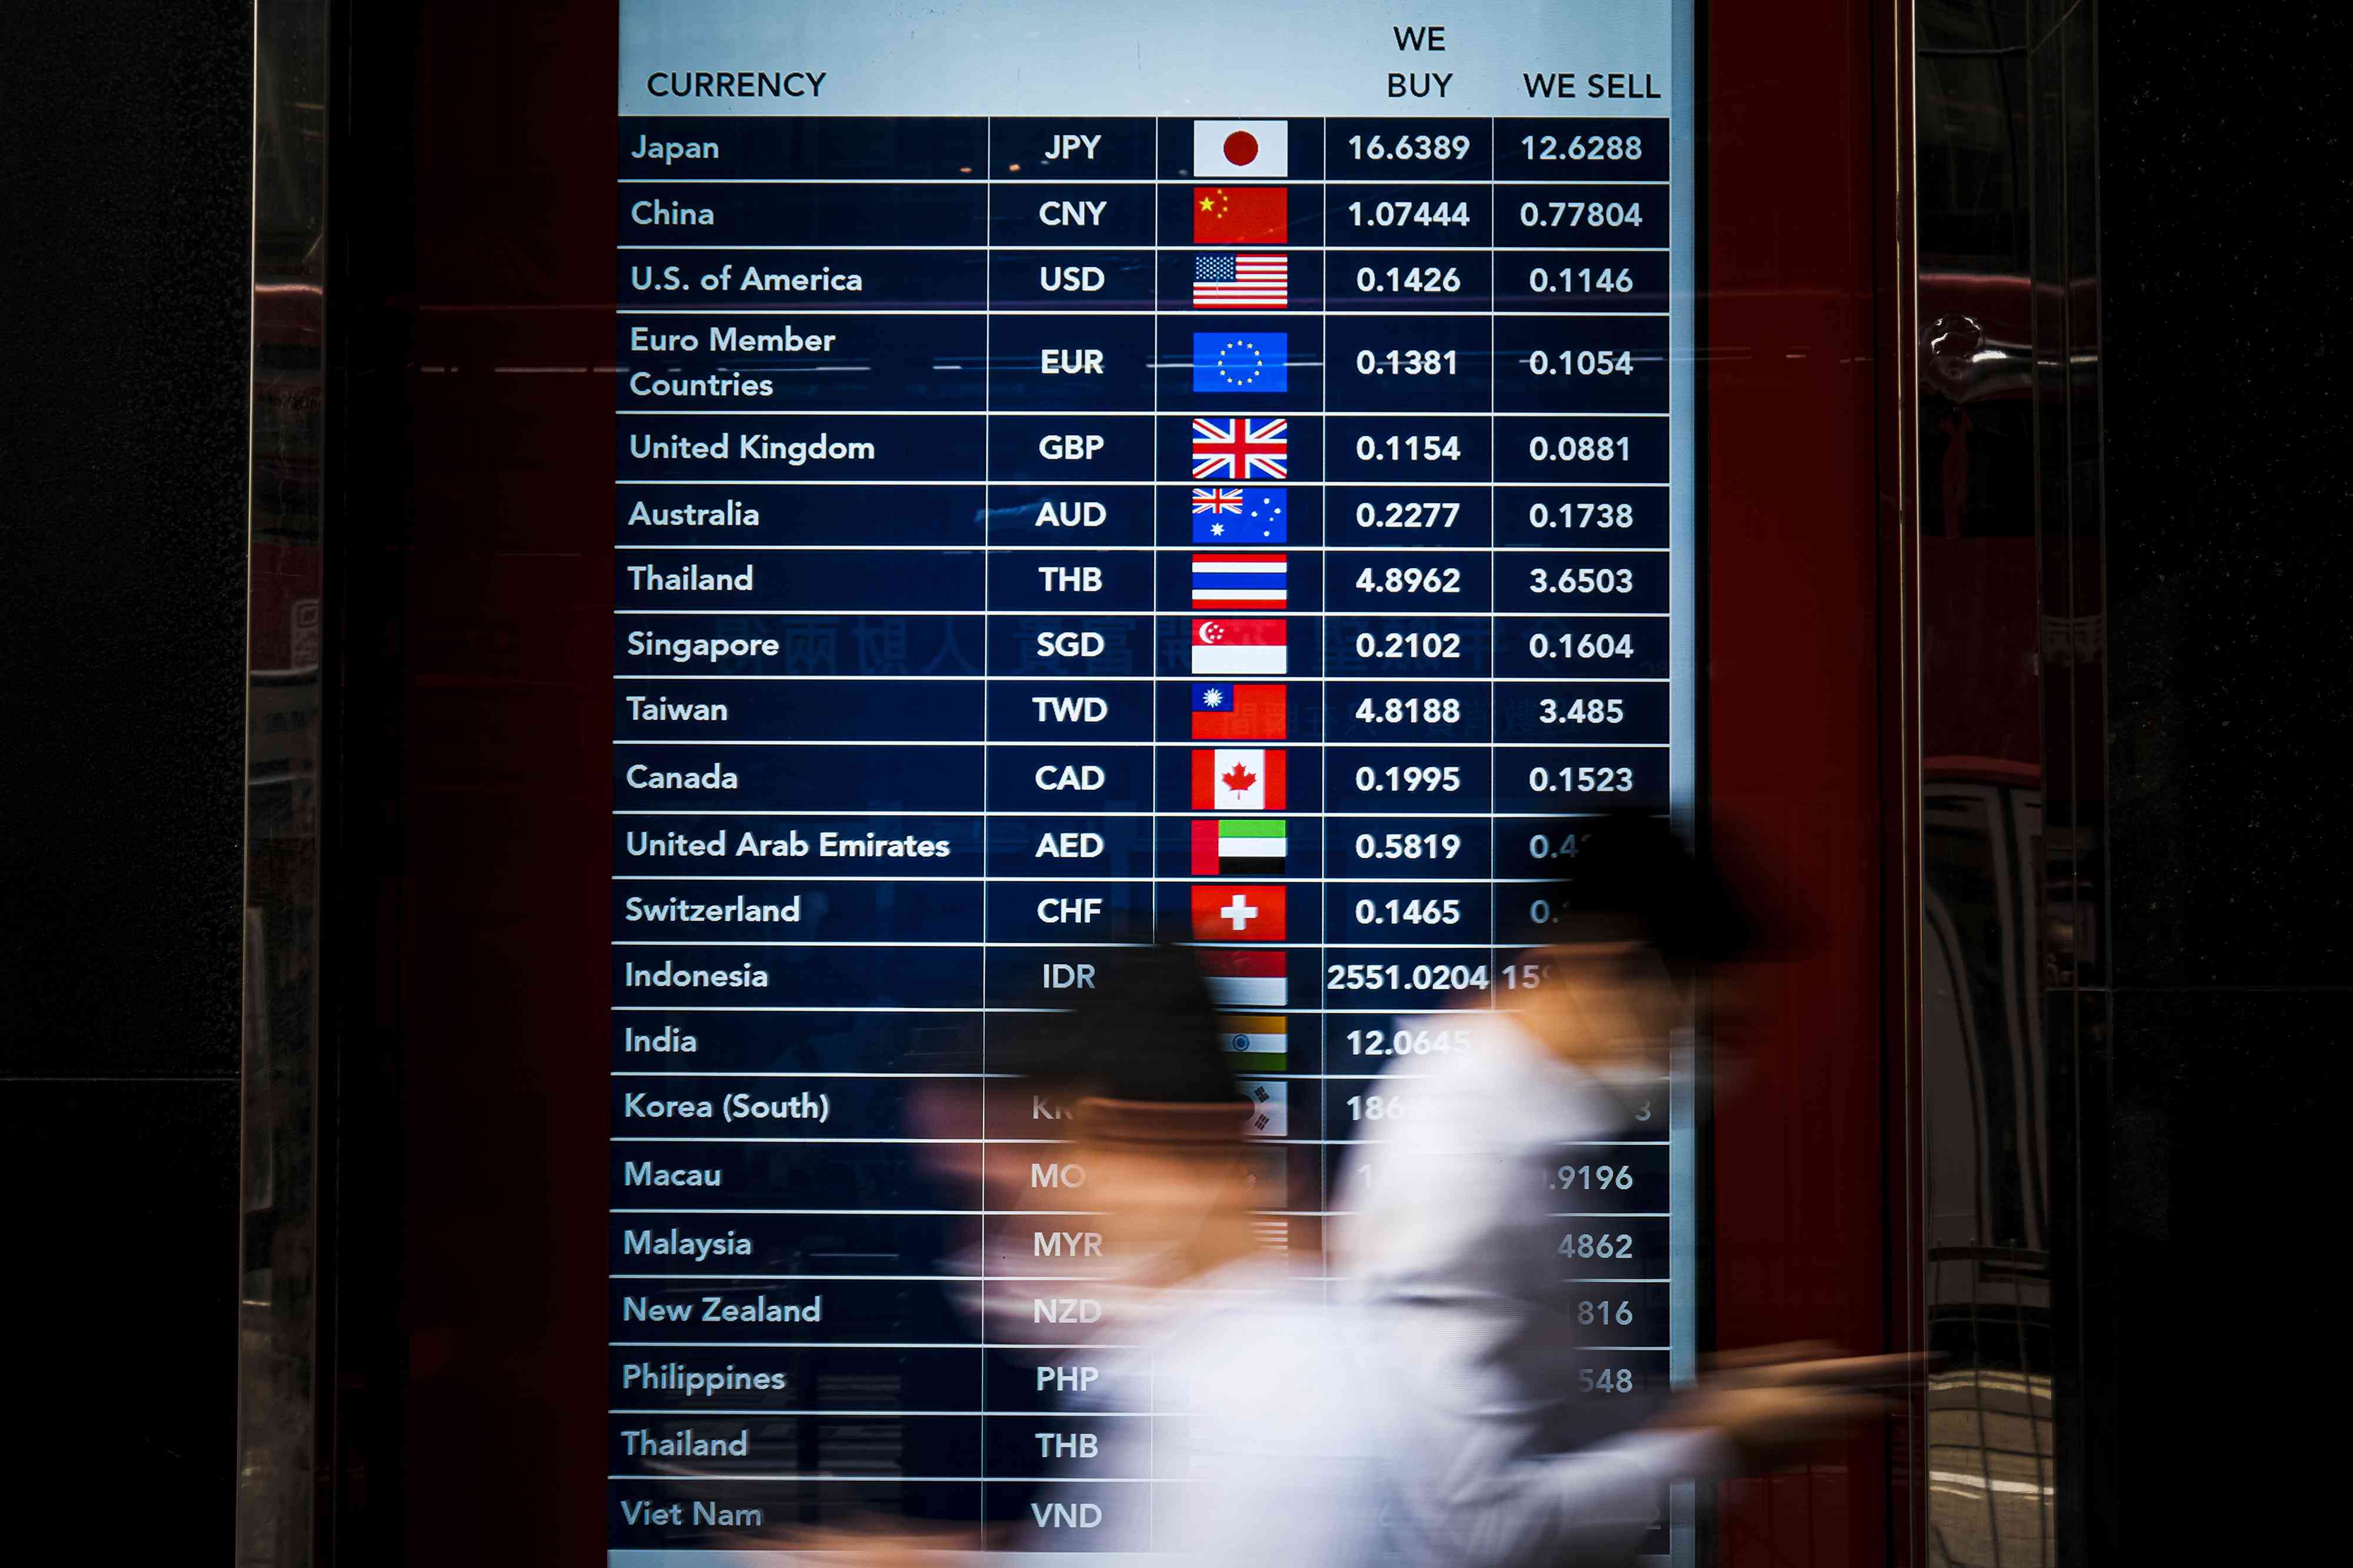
[
  {"x": 1241, "y": 779},
  {"x": 1240, "y": 978},
  {"x": 1247, "y": 148},
  {"x": 1229, "y": 912}
]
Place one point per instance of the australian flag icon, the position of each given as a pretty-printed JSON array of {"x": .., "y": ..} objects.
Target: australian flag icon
[{"x": 1241, "y": 516}]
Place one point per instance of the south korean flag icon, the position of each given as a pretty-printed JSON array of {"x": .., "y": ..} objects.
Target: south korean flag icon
[{"x": 1241, "y": 149}]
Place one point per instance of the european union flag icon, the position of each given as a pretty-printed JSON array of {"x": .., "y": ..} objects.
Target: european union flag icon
[
  {"x": 1241, "y": 362},
  {"x": 1236, "y": 516}
]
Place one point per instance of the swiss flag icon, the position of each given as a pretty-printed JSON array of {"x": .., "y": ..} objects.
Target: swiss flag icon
[{"x": 1229, "y": 913}]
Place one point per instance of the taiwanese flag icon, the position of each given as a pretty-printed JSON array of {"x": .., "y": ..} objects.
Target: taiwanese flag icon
[
  {"x": 1230, "y": 911},
  {"x": 1237, "y": 977},
  {"x": 1239, "y": 846},
  {"x": 1238, "y": 779},
  {"x": 1223, "y": 515},
  {"x": 1241, "y": 214},
  {"x": 1241, "y": 648},
  {"x": 1241, "y": 149},
  {"x": 1224, "y": 712}
]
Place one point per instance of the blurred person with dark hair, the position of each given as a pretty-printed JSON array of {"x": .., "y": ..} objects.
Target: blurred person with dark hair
[
  {"x": 1220, "y": 1377},
  {"x": 1466, "y": 1330},
  {"x": 1258, "y": 1443}
]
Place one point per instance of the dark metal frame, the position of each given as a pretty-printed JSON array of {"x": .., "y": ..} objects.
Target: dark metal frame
[{"x": 282, "y": 1376}]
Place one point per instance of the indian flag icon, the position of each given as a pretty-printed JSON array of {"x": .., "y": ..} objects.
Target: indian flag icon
[{"x": 1255, "y": 1041}]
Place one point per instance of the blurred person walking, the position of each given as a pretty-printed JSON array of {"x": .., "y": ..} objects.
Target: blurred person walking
[
  {"x": 1466, "y": 1329},
  {"x": 1216, "y": 1374}
]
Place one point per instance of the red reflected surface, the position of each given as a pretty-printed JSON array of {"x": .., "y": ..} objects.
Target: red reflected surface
[
  {"x": 506, "y": 740},
  {"x": 1797, "y": 391}
]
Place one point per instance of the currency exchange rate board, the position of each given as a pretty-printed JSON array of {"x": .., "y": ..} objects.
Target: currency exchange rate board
[{"x": 1093, "y": 476}]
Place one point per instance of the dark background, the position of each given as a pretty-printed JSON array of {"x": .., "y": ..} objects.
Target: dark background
[
  {"x": 2215, "y": 1077},
  {"x": 2204, "y": 527},
  {"x": 124, "y": 159}
]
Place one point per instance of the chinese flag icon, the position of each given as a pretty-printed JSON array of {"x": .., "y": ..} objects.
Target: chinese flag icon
[
  {"x": 1226, "y": 912},
  {"x": 1241, "y": 214}
]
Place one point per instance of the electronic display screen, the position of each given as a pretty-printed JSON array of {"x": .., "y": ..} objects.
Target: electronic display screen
[{"x": 1092, "y": 475}]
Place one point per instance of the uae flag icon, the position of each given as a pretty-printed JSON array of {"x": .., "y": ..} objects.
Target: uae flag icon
[{"x": 1239, "y": 846}]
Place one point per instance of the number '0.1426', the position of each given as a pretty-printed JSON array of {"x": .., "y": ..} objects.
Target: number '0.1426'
[{"x": 1408, "y": 281}]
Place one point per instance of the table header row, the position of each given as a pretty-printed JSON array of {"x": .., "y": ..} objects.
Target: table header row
[{"x": 1238, "y": 58}]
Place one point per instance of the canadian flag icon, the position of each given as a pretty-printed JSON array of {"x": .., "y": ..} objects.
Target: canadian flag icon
[
  {"x": 1224, "y": 912},
  {"x": 1241, "y": 778}
]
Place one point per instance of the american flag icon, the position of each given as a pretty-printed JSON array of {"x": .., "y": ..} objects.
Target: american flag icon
[{"x": 1248, "y": 281}]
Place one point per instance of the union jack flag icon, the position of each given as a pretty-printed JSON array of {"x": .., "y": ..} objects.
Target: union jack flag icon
[{"x": 1241, "y": 449}]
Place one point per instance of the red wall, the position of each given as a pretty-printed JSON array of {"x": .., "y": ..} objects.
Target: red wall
[
  {"x": 505, "y": 871},
  {"x": 1799, "y": 713}
]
